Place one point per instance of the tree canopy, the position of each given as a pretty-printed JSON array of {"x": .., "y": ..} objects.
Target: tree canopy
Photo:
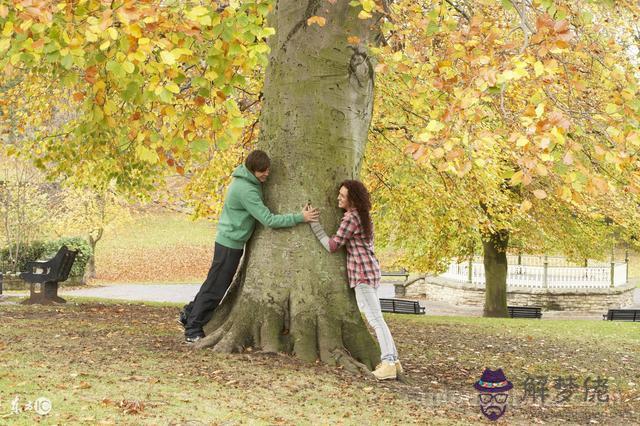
[{"x": 513, "y": 115}]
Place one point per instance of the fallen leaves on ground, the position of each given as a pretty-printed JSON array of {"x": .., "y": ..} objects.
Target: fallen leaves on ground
[{"x": 138, "y": 346}]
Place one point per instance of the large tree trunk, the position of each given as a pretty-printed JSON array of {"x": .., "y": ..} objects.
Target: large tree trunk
[
  {"x": 495, "y": 269},
  {"x": 292, "y": 296}
]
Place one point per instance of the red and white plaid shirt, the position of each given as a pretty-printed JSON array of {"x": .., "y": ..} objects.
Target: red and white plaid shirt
[{"x": 362, "y": 265}]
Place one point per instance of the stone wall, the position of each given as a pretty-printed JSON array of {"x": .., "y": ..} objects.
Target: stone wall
[
  {"x": 15, "y": 283},
  {"x": 583, "y": 300}
]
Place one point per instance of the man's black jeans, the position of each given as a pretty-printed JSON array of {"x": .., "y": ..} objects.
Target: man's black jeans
[{"x": 200, "y": 310}]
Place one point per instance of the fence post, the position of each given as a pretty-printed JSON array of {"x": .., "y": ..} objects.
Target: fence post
[
  {"x": 470, "y": 271},
  {"x": 613, "y": 268},
  {"x": 626, "y": 261},
  {"x": 545, "y": 283}
]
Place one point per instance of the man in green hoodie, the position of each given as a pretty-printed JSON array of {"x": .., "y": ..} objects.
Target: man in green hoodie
[{"x": 242, "y": 207}]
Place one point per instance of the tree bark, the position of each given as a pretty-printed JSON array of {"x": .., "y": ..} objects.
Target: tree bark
[
  {"x": 495, "y": 269},
  {"x": 90, "y": 269},
  {"x": 290, "y": 295}
]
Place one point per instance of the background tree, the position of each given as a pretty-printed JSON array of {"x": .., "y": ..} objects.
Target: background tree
[
  {"x": 522, "y": 122},
  {"x": 91, "y": 213}
]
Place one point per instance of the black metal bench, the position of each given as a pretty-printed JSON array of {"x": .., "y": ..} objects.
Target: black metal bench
[
  {"x": 525, "y": 312},
  {"x": 399, "y": 306},
  {"x": 48, "y": 274},
  {"x": 622, "y": 315}
]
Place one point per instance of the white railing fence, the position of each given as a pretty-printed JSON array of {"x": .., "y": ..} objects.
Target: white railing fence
[{"x": 551, "y": 273}]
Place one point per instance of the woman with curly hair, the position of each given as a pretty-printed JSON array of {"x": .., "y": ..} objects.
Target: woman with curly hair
[{"x": 356, "y": 233}]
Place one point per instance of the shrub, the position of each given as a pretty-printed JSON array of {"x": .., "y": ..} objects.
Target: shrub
[
  {"x": 72, "y": 243},
  {"x": 41, "y": 250},
  {"x": 33, "y": 251}
]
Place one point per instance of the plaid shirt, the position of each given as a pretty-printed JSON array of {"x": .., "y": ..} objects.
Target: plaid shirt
[{"x": 362, "y": 265}]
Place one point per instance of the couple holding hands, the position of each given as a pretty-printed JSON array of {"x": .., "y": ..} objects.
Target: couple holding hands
[{"x": 243, "y": 206}]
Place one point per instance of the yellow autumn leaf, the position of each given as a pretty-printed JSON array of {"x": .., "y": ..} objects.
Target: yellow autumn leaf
[
  {"x": 364, "y": 15},
  {"x": 167, "y": 57},
  {"x": 538, "y": 68},
  {"x": 8, "y": 29},
  {"x": 135, "y": 31},
  {"x": 564, "y": 193},
  {"x": 91, "y": 36},
  {"x": 526, "y": 206},
  {"x": 318, "y": 20},
  {"x": 128, "y": 67},
  {"x": 434, "y": 126},
  {"x": 105, "y": 45},
  {"x": 541, "y": 170},
  {"x": 113, "y": 33},
  {"x": 368, "y": 5},
  {"x": 198, "y": 11},
  {"x": 172, "y": 87},
  {"x": 516, "y": 179},
  {"x": 540, "y": 194}
]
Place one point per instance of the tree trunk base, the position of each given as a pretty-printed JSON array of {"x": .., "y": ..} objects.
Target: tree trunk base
[{"x": 241, "y": 323}]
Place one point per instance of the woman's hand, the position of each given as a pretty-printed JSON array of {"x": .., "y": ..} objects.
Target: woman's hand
[{"x": 310, "y": 213}]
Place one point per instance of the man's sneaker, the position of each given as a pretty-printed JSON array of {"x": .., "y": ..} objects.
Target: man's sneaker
[
  {"x": 191, "y": 340},
  {"x": 385, "y": 370}
]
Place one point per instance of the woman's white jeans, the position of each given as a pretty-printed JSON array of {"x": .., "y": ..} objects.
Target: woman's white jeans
[{"x": 369, "y": 305}]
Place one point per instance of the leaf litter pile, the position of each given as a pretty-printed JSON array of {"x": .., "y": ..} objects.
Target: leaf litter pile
[{"x": 126, "y": 364}]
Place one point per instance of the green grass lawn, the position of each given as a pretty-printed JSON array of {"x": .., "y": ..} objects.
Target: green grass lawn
[
  {"x": 117, "y": 363},
  {"x": 152, "y": 230}
]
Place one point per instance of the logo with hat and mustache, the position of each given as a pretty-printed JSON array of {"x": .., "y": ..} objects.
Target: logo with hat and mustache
[{"x": 494, "y": 392}]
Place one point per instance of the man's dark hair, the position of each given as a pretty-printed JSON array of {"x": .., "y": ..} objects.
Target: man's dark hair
[{"x": 257, "y": 161}]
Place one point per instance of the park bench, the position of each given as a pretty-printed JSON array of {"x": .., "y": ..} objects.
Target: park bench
[
  {"x": 401, "y": 273},
  {"x": 622, "y": 315},
  {"x": 399, "y": 285},
  {"x": 399, "y": 306},
  {"x": 525, "y": 312},
  {"x": 47, "y": 275}
]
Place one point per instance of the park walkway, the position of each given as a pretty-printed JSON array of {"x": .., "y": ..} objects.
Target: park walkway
[{"x": 183, "y": 293}]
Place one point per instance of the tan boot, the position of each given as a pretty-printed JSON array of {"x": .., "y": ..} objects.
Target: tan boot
[
  {"x": 385, "y": 370},
  {"x": 399, "y": 369}
]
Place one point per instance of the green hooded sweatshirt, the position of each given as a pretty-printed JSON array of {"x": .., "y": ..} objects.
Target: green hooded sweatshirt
[{"x": 243, "y": 206}]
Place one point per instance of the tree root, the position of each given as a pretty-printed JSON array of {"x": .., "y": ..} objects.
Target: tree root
[{"x": 344, "y": 359}]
